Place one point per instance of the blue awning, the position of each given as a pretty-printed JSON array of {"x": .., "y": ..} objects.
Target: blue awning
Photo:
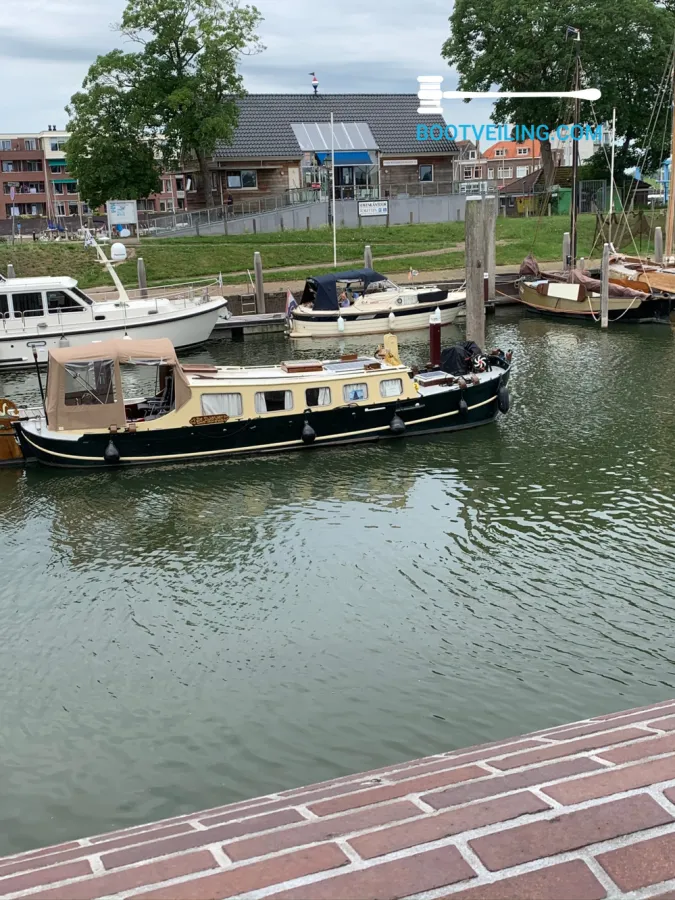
[{"x": 347, "y": 158}]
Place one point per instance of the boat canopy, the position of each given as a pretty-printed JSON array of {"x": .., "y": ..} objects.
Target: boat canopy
[
  {"x": 322, "y": 289},
  {"x": 84, "y": 390}
]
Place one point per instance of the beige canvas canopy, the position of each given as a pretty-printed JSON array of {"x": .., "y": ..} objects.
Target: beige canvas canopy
[{"x": 96, "y": 367}]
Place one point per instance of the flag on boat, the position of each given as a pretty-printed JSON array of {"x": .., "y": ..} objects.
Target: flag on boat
[{"x": 291, "y": 303}]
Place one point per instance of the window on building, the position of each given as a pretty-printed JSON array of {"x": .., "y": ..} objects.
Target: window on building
[
  {"x": 352, "y": 393},
  {"x": 521, "y": 171},
  {"x": 60, "y": 302},
  {"x": 317, "y": 396},
  {"x": 57, "y": 144},
  {"x": 60, "y": 209},
  {"x": 426, "y": 173},
  {"x": 166, "y": 185},
  {"x": 472, "y": 154},
  {"x": 30, "y": 144},
  {"x": 243, "y": 179},
  {"x": 468, "y": 172},
  {"x": 512, "y": 201},
  {"x": 500, "y": 151},
  {"x": 273, "y": 401},
  {"x": 523, "y": 151},
  {"x": 166, "y": 205},
  {"x": 86, "y": 210},
  {"x": 5, "y": 145},
  {"x": 72, "y": 187},
  {"x": 72, "y": 209},
  {"x": 28, "y": 304},
  {"x": 32, "y": 165},
  {"x": 505, "y": 172},
  {"x": 391, "y": 387},
  {"x": 180, "y": 184},
  {"x": 476, "y": 172},
  {"x": 230, "y": 405},
  {"x": 7, "y": 166},
  {"x": 181, "y": 203},
  {"x": 59, "y": 188},
  {"x": 491, "y": 173}
]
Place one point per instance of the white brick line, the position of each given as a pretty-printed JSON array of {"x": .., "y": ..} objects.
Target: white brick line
[
  {"x": 658, "y": 794},
  {"x": 420, "y": 804},
  {"x": 197, "y": 826},
  {"x": 348, "y": 850},
  {"x": 546, "y": 799},
  {"x": 652, "y": 890},
  {"x": 83, "y": 842},
  {"x": 96, "y": 864},
  {"x": 613, "y": 890},
  {"x": 306, "y": 814},
  {"x": 603, "y": 762},
  {"x": 220, "y": 856}
]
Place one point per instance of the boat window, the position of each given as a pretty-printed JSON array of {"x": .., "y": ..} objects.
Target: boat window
[
  {"x": 28, "y": 304},
  {"x": 354, "y": 392},
  {"x": 82, "y": 296},
  {"x": 391, "y": 387},
  {"x": 273, "y": 401},
  {"x": 59, "y": 301},
  {"x": 222, "y": 404},
  {"x": 90, "y": 383},
  {"x": 317, "y": 396},
  {"x": 4, "y": 308}
]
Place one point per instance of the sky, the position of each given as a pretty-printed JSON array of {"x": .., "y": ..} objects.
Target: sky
[{"x": 46, "y": 47}]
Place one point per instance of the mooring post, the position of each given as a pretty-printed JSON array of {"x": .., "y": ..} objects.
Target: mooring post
[
  {"x": 475, "y": 268},
  {"x": 604, "y": 292},
  {"x": 10, "y": 271},
  {"x": 566, "y": 251},
  {"x": 259, "y": 283},
  {"x": 142, "y": 277},
  {"x": 658, "y": 244},
  {"x": 367, "y": 257},
  {"x": 581, "y": 264},
  {"x": 490, "y": 243}
]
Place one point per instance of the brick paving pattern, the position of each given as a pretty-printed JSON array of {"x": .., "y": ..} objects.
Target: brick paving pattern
[{"x": 580, "y": 812}]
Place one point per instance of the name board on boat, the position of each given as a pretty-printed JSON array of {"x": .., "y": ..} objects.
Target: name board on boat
[
  {"x": 373, "y": 207},
  {"x": 209, "y": 420}
]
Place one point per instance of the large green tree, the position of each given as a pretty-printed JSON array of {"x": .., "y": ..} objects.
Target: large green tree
[
  {"x": 170, "y": 98},
  {"x": 520, "y": 45}
]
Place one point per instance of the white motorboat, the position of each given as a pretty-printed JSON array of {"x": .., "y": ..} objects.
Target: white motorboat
[
  {"x": 53, "y": 312},
  {"x": 368, "y": 303}
]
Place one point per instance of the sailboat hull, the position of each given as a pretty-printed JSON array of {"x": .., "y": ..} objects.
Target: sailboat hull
[{"x": 653, "y": 309}]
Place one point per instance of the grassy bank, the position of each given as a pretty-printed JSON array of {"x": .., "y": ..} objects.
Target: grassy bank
[{"x": 308, "y": 252}]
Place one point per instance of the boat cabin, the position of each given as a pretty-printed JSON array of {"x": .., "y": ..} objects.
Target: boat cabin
[
  {"x": 47, "y": 298},
  {"x": 321, "y": 292}
]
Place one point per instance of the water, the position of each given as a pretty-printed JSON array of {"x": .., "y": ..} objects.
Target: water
[{"x": 177, "y": 638}]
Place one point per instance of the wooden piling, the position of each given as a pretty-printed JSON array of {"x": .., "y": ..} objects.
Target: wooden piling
[
  {"x": 475, "y": 267},
  {"x": 604, "y": 292},
  {"x": 367, "y": 257},
  {"x": 142, "y": 277},
  {"x": 10, "y": 271},
  {"x": 490, "y": 243},
  {"x": 566, "y": 250},
  {"x": 259, "y": 283},
  {"x": 658, "y": 244}
]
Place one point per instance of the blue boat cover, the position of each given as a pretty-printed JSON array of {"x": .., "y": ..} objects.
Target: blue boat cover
[{"x": 322, "y": 289}]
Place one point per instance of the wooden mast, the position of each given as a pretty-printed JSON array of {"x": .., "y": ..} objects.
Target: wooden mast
[{"x": 670, "y": 215}]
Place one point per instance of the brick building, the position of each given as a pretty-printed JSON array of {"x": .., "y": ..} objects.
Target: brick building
[
  {"x": 282, "y": 146},
  {"x": 508, "y": 160}
]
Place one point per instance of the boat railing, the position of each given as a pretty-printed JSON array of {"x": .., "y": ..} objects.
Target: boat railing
[{"x": 188, "y": 293}]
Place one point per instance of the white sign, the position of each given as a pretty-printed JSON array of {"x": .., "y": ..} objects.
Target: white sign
[
  {"x": 373, "y": 207},
  {"x": 122, "y": 212},
  {"x": 399, "y": 162}
]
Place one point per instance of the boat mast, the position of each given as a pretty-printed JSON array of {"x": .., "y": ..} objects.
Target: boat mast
[
  {"x": 576, "y": 36},
  {"x": 670, "y": 215}
]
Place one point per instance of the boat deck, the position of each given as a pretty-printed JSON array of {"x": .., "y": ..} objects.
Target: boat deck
[{"x": 583, "y": 811}]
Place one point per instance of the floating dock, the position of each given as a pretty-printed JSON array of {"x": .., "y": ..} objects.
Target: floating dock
[
  {"x": 237, "y": 327},
  {"x": 581, "y": 811}
]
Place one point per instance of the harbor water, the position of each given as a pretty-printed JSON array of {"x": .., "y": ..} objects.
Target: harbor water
[{"x": 178, "y": 638}]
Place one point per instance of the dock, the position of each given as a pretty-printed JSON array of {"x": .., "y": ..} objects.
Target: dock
[
  {"x": 236, "y": 327},
  {"x": 583, "y": 811}
]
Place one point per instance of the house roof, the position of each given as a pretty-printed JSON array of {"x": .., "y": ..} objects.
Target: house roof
[
  {"x": 511, "y": 148},
  {"x": 265, "y": 120}
]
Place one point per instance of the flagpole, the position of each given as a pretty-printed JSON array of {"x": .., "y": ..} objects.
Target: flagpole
[{"x": 332, "y": 179}]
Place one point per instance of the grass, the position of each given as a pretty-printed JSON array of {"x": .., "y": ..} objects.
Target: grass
[{"x": 309, "y": 252}]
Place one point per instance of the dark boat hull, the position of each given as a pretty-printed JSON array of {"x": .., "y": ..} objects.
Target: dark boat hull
[{"x": 344, "y": 425}]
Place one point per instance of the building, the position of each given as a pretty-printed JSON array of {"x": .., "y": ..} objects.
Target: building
[
  {"x": 508, "y": 160},
  {"x": 33, "y": 169},
  {"x": 282, "y": 146},
  {"x": 470, "y": 170}
]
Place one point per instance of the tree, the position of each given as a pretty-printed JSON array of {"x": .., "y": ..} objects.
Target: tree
[
  {"x": 520, "y": 45},
  {"x": 171, "y": 99}
]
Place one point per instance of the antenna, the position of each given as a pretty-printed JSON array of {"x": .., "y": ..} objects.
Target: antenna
[{"x": 315, "y": 82}]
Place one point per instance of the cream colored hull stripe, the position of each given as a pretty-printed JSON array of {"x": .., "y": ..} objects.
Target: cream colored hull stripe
[{"x": 212, "y": 453}]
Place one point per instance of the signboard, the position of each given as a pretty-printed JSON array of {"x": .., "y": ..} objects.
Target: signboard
[
  {"x": 122, "y": 212},
  {"x": 399, "y": 162},
  {"x": 373, "y": 207}
]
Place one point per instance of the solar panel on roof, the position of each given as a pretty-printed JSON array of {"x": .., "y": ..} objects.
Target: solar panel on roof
[{"x": 313, "y": 136}]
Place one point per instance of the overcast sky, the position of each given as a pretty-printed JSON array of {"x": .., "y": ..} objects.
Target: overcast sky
[{"x": 378, "y": 46}]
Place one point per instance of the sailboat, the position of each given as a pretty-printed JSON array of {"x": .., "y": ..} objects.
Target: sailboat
[{"x": 575, "y": 293}]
